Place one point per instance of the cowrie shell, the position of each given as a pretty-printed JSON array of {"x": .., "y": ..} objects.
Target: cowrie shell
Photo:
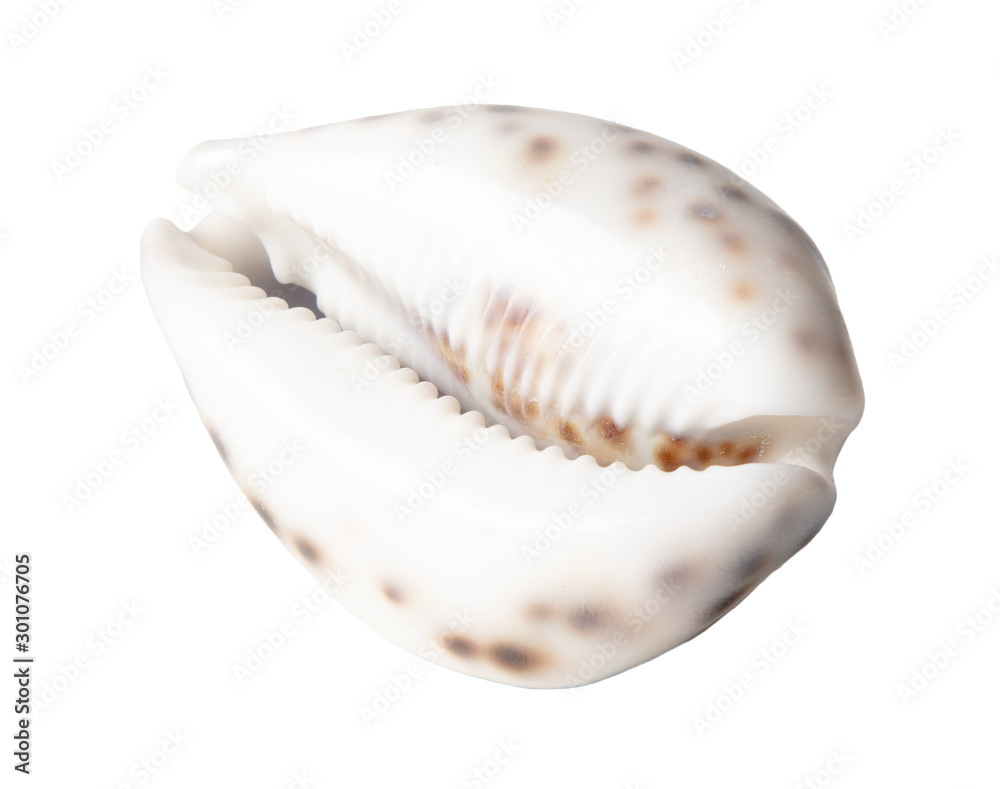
[{"x": 578, "y": 391}]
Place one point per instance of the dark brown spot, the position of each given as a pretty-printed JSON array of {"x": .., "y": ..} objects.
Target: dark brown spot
[
  {"x": 646, "y": 184},
  {"x": 587, "y": 618},
  {"x": 703, "y": 454},
  {"x": 459, "y": 645},
  {"x": 306, "y": 550},
  {"x": 568, "y": 432},
  {"x": 732, "y": 193},
  {"x": 607, "y": 429},
  {"x": 748, "y": 452},
  {"x": 516, "y": 658},
  {"x": 706, "y": 211},
  {"x": 725, "y": 449},
  {"x": 265, "y": 514},
  {"x": 392, "y": 592},
  {"x": 219, "y": 446},
  {"x": 670, "y": 453},
  {"x": 728, "y": 602},
  {"x": 640, "y": 147},
  {"x": 751, "y": 565},
  {"x": 794, "y": 230},
  {"x": 686, "y": 157},
  {"x": 541, "y": 148}
]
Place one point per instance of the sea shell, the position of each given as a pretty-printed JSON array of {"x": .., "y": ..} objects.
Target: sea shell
[{"x": 619, "y": 377}]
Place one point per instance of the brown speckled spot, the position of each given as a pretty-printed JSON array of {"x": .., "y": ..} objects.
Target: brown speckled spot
[
  {"x": 515, "y": 657},
  {"x": 806, "y": 340},
  {"x": 670, "y": 453},
  {"x": 706, "y": 211},
  {"x": 751, "y": 564},
  {"x": 533, "y": 410},
  {"x": 744, "y": 290},
  {"x": 568, "y": 432},
  {"x": 392, "y": 592},
  {"x": 686, "y": 157},
  {"x": 734, "y": 243},
  {"x": 641, "y": 147},
  {"x": 732, "y": 193},
  {"x": 646, "y": 184},
  {"x": 306, "y": 550},
  {"x": 748, "y": 452},
  {"x": 538, "y": 611},
  {"x": 728, "y": 602},
  {"x": 265, "y": 514},
  {"x": 459, "y": 645},
  {"x": 541, "y": 148},
  {"x": 219, "y": 446},
  {"x": 587, "y": 618},
  {"x": 703, "y": 454},
  {"x": 644, "y": 216},
  {"x": 608, "y": 430}
]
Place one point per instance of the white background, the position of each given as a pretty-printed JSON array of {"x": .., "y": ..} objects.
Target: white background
[{"x": 169, "y": 670}]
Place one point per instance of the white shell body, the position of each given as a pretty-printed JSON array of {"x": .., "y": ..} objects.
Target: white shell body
[{"x": 618, "y": 381}]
